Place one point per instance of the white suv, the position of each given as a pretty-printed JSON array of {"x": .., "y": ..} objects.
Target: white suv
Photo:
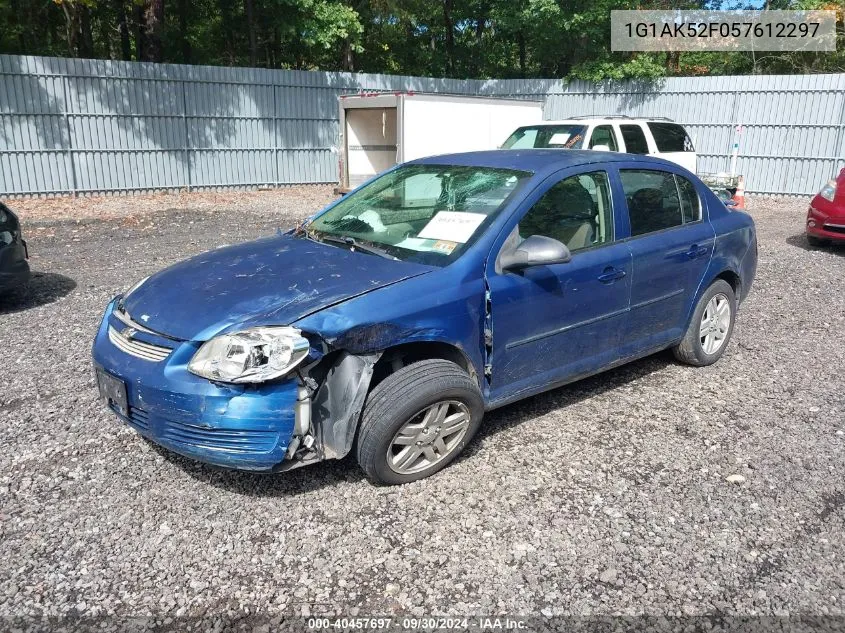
[{"x": 654, "y": 136}]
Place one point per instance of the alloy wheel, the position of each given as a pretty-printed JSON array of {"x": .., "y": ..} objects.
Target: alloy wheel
[
  {"x": 715, "y": 324},
  {"x": 428, "y": 437}
]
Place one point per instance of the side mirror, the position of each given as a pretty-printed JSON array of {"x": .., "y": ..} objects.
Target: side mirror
[
  {"x": 600, "y": 148},
  {"x": 537, "y": 250}
]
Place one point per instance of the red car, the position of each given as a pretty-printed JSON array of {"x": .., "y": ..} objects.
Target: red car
[{"x": 826, "y": 215}]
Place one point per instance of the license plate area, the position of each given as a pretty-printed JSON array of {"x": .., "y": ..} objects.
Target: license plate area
[{"x": 113, "y": 391}]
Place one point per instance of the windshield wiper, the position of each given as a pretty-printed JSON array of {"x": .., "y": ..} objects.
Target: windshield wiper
[{"x": 355, "y": 245}]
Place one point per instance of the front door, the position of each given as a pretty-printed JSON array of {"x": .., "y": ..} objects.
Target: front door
[{"x": 554, "y": 323}]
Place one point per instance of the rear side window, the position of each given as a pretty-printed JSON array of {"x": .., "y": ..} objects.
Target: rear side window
[
  {"x": 671, "y": 137},
  {"x": 653, "y": 200},
  {"x": 634, "y": 138},
  {"x": 690, "y": 204}
]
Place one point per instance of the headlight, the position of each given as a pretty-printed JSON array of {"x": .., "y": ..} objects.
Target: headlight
[
  {"x": 254, "y": 355},
  {"x": 828, "y": 191}
]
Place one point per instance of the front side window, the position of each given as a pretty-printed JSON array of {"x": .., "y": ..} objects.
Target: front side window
[
  {"x": 603, "y": 135},
  {"x": 420, "y": 213},
  {"x": 653, "y": 202},
  {"x": 634, "y": 138},
  {"x": 576, "y": 211},
  {"x": 547, "y": 136}
]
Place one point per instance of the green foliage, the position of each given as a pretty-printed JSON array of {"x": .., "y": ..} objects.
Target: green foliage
[
  {"x": 640, "y": 66},
  {"x": 569, "y": 39}
]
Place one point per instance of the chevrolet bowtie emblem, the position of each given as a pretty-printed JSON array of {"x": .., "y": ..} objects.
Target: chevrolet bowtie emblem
[{"x": 129, "y": 333}]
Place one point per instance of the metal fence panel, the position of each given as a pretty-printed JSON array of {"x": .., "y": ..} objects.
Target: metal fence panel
[{"x": 70, "y": 125}]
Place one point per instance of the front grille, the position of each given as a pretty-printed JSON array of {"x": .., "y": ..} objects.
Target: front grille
[
  {"x": 835, "y": 228},
  {"x": 190, "y": 436},
  {"x": 139, "y": 418},
  {"x": 221, "y": 439},
  {"x": 139, "y": 349}
]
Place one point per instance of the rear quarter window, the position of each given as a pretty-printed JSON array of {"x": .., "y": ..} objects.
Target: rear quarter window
[
  {"x": 690, "y": 203},
  {"x": 670, "y": 137}
]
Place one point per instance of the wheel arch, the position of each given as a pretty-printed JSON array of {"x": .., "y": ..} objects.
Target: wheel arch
[
  {"x": 402, "y": 354},
  {"x": 723, "y": 272},
  {"x": 733, "y": 278},
  {"x": 346, "y": 379}
]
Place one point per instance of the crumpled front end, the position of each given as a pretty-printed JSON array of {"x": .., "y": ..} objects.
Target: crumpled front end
[{"x": 144, "y": 378}]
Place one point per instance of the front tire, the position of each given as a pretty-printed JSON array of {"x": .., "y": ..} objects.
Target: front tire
[
  {"x": 814, "y": 241},
  {"x": 710, "y": 328},
  {"x": 417, "y": 420}
]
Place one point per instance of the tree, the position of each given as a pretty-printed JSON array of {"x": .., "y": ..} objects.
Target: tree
[
  {"x": 153, "y": 27},
  {"x": 452, "y": 38},
  {"x": 123, "y": 30},
  {"x": 80, "y": 40}
]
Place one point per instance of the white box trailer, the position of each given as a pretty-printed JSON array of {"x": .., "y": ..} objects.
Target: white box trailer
[{"x": 379, "y": 131}]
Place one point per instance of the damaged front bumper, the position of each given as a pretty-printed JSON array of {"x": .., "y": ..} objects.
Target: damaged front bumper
[
  {"x": 267, "y": 427},
  {"x": 247, "y": 427}
]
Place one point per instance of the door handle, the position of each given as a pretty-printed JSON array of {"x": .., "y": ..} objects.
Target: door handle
[
  {"x": 696, "y": 251},
  {"x": 610, "y": 275}
]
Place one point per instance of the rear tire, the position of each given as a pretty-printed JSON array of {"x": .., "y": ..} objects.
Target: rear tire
[
  {"x": 417, "y": 420},
  {"x": 710, "y": 328}
]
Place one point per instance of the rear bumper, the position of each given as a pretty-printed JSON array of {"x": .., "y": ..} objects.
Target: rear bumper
[
  {"x": 14, "y": 269},
  {"x": 245, "y": 427}
]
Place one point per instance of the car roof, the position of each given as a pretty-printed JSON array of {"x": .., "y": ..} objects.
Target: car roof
[
  {"x": 605, "y": 119},
  {"x": 539, "y": 160}
]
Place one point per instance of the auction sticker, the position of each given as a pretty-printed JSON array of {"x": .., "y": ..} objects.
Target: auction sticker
[
  {"x": 444, "y": 246},
  {"x": 452, "y": 226}
]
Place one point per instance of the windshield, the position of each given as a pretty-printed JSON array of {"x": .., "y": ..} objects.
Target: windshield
[
  {"x": 420, "y": 213},
  {"x": 567, "y": 136}
]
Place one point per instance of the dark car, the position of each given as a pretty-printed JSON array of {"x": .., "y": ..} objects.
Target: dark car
[
  {"x": 14, "y": 269},
  {"x": 448, "y": 286},
  {"x": 826, "y": 215}
]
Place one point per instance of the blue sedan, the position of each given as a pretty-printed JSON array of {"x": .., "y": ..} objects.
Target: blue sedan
[{"x": 391, "y": 321}]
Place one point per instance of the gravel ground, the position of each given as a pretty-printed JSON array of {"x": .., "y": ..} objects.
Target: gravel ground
[{"x": 605, "y": 497}]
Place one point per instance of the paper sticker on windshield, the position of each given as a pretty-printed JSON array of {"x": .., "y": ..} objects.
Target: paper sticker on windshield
[
  {"x": 452, "y": 226},
  {"x": 559, "y": 139}
]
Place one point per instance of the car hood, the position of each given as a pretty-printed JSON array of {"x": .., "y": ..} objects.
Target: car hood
[{"x": 271, "y": 281}]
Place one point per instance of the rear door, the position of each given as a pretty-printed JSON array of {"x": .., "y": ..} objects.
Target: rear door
[{"x": 671, "y": 244}]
